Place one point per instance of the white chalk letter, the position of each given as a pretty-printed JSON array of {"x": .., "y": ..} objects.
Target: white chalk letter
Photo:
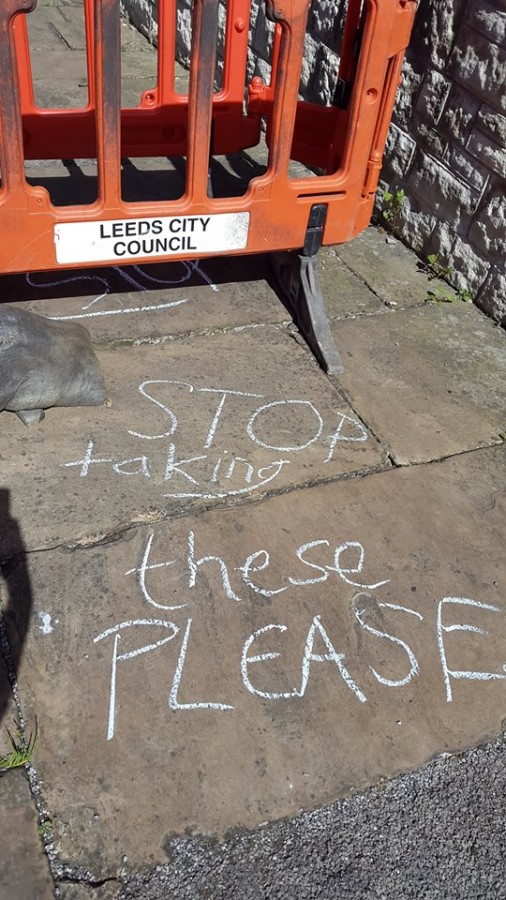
[
  {"x": 194, "y": 564},
  {"x": 261, "y": 657},
  {"x": 413, "y": 662},
  {"x": 147, "y": 395},
  {"x": 352, "y": 570},
  {"x": 249, "y": 566},
  {"x": 117, "y": 657},
  {"x": 448, "y": 674},
  {"x": 300, "y": 553},
  {"x": 173, "y": 701},
  {"x": 330, "y": 656},
  {"x": 141, "y": 573},
  {"x": 262, "y": 409}
]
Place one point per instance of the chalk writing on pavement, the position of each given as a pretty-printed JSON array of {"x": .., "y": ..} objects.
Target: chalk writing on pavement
[
  {"x": 277, "y": 431},
  {"x": 315, "y": 561},
  {"x": 142, "y": 281}
]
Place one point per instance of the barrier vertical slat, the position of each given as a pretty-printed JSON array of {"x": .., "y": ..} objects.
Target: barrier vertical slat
[
  {"x": 108, "y": 100},
  {"x": 200, "y": 105},
  {"x": 25, "y": 77},
  {"x": 166, "y": 51},
  {"x": 351, "y": 34},
  {"x": 11, "y": 143},
  {"x": 236, "y": 50},
  {"x": 286, "y": 79},
  {"x": 89, "y": 27}
]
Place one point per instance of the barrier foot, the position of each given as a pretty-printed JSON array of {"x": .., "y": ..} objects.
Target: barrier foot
[{"x": 298, "y": 280}]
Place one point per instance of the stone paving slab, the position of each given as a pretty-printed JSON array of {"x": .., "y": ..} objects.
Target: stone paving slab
[
  {"x": 225, "y": 670},
  {"x": 387, "y": 267},
  {"x": 196, "y": 422},
  {"x": 7, "y": 709},
  {"x": 429, "y": 382},
  {"x": 344, "y": 293},
  {"x": 132, "y": 302},
  {"x": 65, "y": 84},
  {"x": 24, "y": 872}
]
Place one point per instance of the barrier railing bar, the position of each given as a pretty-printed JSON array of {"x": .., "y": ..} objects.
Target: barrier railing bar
[
  {"x": 89, "y": 29},
  {"x": 11, "y": 143},
  {"x": 25, "y": 77},
  {"x": 236, "y": 49},
  {"x": 200, "y": 105},
  {"x": 108, "y": 100},
  {"x": 286, "y": 78},
  {"x": 166, "y": 51}
]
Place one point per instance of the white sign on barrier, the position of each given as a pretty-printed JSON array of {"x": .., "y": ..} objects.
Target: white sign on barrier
[{"x": 126, "y": 239}]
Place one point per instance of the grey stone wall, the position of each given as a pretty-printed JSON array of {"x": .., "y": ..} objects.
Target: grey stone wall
[{"x": 447, "y": 144}]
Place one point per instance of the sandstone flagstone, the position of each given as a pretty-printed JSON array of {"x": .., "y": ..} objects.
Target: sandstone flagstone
[
  {"x": 386, "y": 267},
  {"x": 429, "y": 382},
  {"x": 24, "y": 870},
  {"x": 220, "y": 418},
  {"x": 234, "y": 667},
  {"x": 131, "y": 302}
]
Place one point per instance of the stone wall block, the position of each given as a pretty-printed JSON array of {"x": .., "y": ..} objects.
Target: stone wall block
[
  {"x": 492, "y": 123},
  {"x": 308, "y": 63},
  {"x": 460, "y": 112},
  {"x": 480, "y": 66},
  {"x": 434, "y": 31},
  {"x": 184, "y": 33},
  {"x": 430, "y": 139},
  {"x": 142, "y": 14},
  {"x": 489, "y": 153},
  {"x": 415, "y": 224},
  {"x": 465, "y": 165},
  {"x": 411, "y": 79},
  {"x": 322, "y": 83},
  {"x": 263, "y": 35},
  {"x": 443, "y": 191},
  {"x": 488, "y": 230},
  {"x": 487, "y": 18},
  {"x": 326, "y": 18},
  {"x": 492, "y": 297},
  {"x": 262, "y": 69},
  {"x": 432, "y": 96},
  {"x": 469, "y": 269},
  {"x": 253, "y": 13},
  {"x": 222, "y": 25},
  {"x": 399, "y": 150}
]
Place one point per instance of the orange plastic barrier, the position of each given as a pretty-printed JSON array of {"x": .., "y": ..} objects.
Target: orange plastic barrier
[{"x": 342, "y": 142}]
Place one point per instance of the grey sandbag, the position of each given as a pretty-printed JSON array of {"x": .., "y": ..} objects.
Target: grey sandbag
[{"x": 44, "y": 363}]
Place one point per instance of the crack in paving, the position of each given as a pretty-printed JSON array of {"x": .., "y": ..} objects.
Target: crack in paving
[
  {"x": 160, "y": 515},
  {"x": 157, "y": 516},
  {"x": 182, "y": 336}
]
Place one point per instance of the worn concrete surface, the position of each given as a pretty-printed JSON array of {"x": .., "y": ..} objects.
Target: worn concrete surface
[{"x": 323, "y": 555}]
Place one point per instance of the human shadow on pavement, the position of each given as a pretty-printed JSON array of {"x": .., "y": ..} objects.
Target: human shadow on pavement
[{"x": 15, "y": 596}]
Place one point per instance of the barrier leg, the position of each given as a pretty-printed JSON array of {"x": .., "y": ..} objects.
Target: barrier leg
[{"x": 298, "y": 280}]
